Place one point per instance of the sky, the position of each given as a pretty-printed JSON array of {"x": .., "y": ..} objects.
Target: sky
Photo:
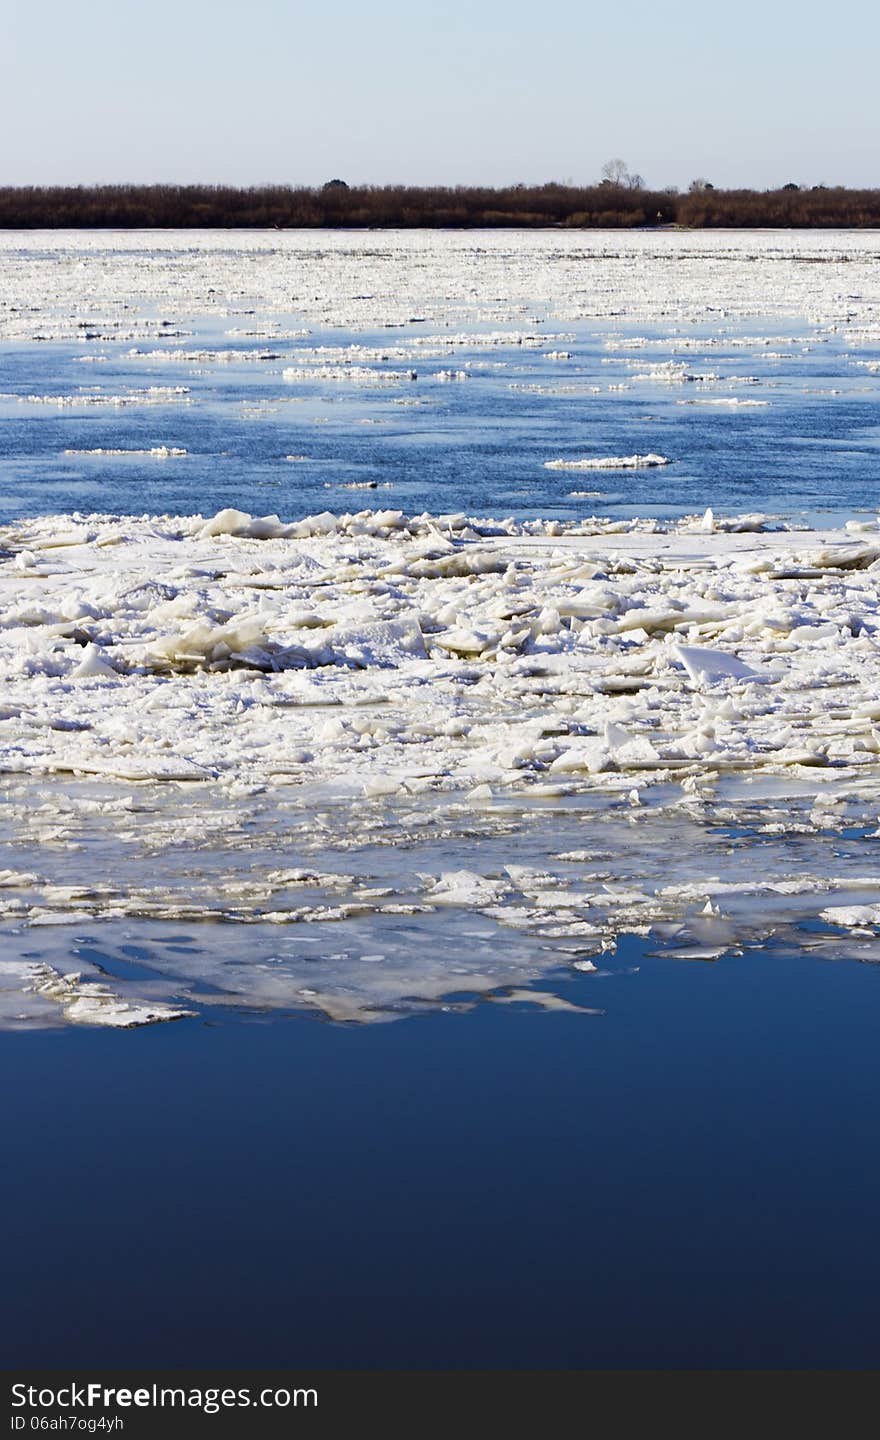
[{"x": 247, "y": 92}]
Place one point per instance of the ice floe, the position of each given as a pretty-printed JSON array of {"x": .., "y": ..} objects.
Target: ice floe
[
  {"x": 392, "y": 664},
  {"x": 485, "y": 287},
  {"x": 609, "y": 462},
  {"x": 157, "y": 452}
]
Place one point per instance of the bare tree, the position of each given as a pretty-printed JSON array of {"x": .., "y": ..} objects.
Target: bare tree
[{"x": 616, "y": 172}]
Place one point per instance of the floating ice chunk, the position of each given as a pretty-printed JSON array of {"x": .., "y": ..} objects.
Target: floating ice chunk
[
  {"x": 850, "y": 556},
  {"x": 808, "y": 634},
  {"x": 638, "y": 754},
  {"x": 615, "y": 735},
  {"x": 733, "y": 401},
  {"x": 90, "y": 1002},
  {"x": 464, "y": 887},
  {"x": 157, "y": 452},
  {"x": 594, "y": 756},
  {"x": 376, "y": 785},
  {"x": 852, "y": 917},
  {"x": 144, "y": 767},
  {"x": 706, "y": 667},
  {"x": 205, "y": 644},
  {"x": 355, "y": 374},
  {"x": 466, "y": 642},
  {"x": 94, "y": 664},
  {"x": 382, "y": 643},
  {"x": 630, "y": 752},
  {"x": 655, "y": 617},
  {"x": 325, "y": 523},
  {"x": 17, "y": 879},
  {"x": 239, "y": 522},
  {"x": 609, "y": 462}
]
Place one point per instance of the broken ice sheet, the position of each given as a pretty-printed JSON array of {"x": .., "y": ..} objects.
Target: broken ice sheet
[
  {"x": 369, "y": 908},
  {"x": 328, "y": 745}
]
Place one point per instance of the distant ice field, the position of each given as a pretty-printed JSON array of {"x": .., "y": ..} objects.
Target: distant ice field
[
  {"x": 301, "y": 371},
  {"x": 393, "y": 620}
]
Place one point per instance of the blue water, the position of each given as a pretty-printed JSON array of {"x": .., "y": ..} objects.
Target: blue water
[
  {"x": 479, "y": 446},
  {"x": 690, "y": 1180}
]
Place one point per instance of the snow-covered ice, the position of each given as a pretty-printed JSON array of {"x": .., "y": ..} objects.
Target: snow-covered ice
[{"x": 433, "y": 667}]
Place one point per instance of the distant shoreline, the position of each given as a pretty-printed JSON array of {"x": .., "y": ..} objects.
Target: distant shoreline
[{"x": 606, "y": 206}]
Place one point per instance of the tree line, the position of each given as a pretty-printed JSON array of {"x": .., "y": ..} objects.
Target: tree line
[{"x": 621, "y": 201}]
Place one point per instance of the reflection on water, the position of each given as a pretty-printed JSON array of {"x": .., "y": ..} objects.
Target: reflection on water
[{"x": 367, "y": 911}]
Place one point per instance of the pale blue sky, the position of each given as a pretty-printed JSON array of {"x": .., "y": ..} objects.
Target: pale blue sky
[{"x": 438, "y": 91}]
